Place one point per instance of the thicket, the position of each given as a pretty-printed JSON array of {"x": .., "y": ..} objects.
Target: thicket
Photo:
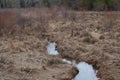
[
  {"x": 93, "y": 4},
  {"x": 72, "y": 4}
]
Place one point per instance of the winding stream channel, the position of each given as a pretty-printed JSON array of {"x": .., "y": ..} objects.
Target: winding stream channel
[{"x": 86, "y": 71}]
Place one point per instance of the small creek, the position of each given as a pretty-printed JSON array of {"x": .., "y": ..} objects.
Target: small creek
[{"x": 86, "y": 71}]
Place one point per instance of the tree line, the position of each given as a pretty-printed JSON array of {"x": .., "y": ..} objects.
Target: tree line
[
  {"x": 17, "y": 3},
  {"x": 72, "y": 4},
  {"x": 93, "y": 4}
]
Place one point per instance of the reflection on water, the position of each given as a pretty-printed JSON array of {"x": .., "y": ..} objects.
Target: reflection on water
[
  {"x": 51, "y": 48},
  {"x": 86, "y": 72}
]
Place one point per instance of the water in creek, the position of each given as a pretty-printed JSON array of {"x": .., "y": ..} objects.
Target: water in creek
[
  {"x": 86, "y": 71},
  {"x": 51, "y": 48}
]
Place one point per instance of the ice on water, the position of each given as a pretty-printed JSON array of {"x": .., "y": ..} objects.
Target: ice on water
[
  {"x": 70, "y": 62},
  {"x": 67, "y": 61}
]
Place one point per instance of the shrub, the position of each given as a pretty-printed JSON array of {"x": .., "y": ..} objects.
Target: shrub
[
  {"x": 7, "y": 21},
  {"x": 109, "y": 20}
]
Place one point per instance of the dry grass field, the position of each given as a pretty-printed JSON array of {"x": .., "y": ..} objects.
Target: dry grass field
[{"x": 93, "y": 37}]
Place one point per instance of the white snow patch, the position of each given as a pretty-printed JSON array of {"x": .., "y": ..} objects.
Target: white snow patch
[
  {"x": 86, "y": 72},
  {"x": 51, "y": 48}
]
